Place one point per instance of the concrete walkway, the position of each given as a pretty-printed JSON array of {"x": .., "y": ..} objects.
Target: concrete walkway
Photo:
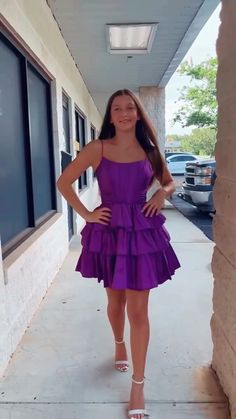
[{"x": 63, "y": 367}]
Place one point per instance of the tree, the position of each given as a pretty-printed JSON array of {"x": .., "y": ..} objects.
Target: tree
[
  {"x": 201, "y": 141},
  {"x": 200, "y": 104}
]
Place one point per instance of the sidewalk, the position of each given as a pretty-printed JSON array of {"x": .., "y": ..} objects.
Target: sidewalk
[{"x": 63, "y": 367}]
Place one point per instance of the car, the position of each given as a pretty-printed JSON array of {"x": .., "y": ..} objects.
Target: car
[
  {"x": 198, "y": 184},
  {"x": 177, "y": 162},
  {"x": 177, "y": 153}
]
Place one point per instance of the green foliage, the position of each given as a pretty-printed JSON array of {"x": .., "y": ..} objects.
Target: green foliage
[
  {"x": 200, "y": 104},
  {"x": 200, "y": 141}
]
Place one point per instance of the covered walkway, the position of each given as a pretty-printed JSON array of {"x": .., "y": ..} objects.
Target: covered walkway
[{"x": 63, "y": 367}]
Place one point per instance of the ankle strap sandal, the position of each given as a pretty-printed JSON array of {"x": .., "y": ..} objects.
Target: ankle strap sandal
[
  {"x": 134, "y": 412},
  {"x": 121, "y": 365}
]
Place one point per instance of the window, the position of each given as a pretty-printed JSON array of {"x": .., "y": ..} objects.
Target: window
[
  {"x": 93, "y": 136},
  {"x": 187, "y": 158},
  {"x": 93, "y": 132},
  {"x": 80, "y": 137},
  {"x": 40, "y": 143},
  {"x": 66, "y": 156},
  {"x": 175, "y": 159},
  {"x": 190, "y": 158},
  {"x": 66, "y": 122},
  {"x": 27, "y": 183},
  {"x": 181, "y": 158}
]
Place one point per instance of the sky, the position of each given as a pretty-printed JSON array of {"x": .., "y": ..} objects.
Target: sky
[{"x": 200, "y": 51}]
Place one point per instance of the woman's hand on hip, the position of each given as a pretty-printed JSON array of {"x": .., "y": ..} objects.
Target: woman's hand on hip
[
  {"x": 155, "y": 203},
  {"x": 99, "y": 215}
]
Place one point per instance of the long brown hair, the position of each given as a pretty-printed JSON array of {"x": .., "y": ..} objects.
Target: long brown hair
[{"x": 144, "y": 131}]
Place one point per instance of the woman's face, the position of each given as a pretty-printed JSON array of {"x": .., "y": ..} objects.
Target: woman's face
[{"x": 124, "y": 113}]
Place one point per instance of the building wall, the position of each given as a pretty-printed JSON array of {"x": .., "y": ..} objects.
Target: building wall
[
  {"x": 153, "y": 99},
  {"x": 27, "y": 272},
  {"x": 223, "y": 322}
]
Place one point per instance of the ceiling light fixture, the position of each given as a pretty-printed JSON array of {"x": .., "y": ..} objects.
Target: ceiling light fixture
[{"x": 130, "y": 38}]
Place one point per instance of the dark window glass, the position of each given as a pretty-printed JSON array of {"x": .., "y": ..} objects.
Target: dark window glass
[
  {"x": 175, "y": 159},
  {"x": 66, "y": 156},
  {"x": 40, "y": 143},
  {"x": 80, "y": 137},
  {"x": 93, "y": 136},
  {"x": 13, "y": 184},
  {"x": 181, "y": 158},
  {"x": 189, "y": 158},
  {"x": 66, "y": 122},
  {"x": 93, "y": 133},
  {"x": 27, "y": 183}
]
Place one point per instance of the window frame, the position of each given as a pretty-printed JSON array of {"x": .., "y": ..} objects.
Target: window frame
[
  {"x": 30, "y": 60},
  {"x": 83, "y": 182},
  {"x": 92, "y": 129}
]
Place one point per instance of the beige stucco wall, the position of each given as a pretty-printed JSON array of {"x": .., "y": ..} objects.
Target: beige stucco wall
[
  {"x": 153, "y": 99},
  {"x": 223, "y": 321}
]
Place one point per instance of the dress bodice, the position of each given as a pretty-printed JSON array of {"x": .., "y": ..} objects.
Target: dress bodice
[{"x": 124, "y": 182}]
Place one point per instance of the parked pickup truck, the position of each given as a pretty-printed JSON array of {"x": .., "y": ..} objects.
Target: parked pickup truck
[{"x": 199, "y": 179}]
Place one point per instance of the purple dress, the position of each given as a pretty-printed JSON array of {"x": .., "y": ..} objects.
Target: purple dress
[{"x": 132, "y": 251}]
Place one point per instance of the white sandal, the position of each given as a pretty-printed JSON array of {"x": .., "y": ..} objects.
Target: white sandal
[
  {"x": 122, "y": 366},
  {"x": 135, "y": 412}
]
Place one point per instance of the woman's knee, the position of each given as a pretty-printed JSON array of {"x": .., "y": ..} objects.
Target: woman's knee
[
  {"x": 116, "y": 302},
  {"x": 137, "y": 315},
  {"x": 116, "y": 307},
  {"x": 137, "y": 308}
]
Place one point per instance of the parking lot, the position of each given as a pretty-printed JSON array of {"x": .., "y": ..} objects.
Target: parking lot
[{"x": 202, "y": 220}]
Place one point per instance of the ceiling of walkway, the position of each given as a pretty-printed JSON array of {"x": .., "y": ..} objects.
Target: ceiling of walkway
[{"x": 82, "y": 23}]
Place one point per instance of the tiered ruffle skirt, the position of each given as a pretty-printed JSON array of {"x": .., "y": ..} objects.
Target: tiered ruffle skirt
[{"x": 132, "y": 252}]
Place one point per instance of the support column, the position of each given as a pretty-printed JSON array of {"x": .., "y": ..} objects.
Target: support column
[
  {"x": 153, "y": 100},
  {"x": 223, "y": 322}
]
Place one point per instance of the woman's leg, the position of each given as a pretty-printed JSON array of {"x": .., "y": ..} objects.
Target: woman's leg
[
  {"x": 116, "y": 315},
  {"x": 137, "y": 310}
]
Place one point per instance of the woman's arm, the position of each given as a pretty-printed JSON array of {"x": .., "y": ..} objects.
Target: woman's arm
[
  {"x": 72, "y": 172},
  {"x": 167, "y": 182},
  {"x": 156, "y": 202}
]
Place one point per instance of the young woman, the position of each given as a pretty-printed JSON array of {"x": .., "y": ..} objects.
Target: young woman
[{"x": 124, "y": 241}]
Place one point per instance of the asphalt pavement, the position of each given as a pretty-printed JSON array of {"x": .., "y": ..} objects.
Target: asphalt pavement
[{"x": 200, "y": 219}]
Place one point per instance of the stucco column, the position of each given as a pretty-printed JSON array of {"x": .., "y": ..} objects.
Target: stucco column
[
  {"x": 223, "y": 322},
  {"x": 153, "y": 99}
]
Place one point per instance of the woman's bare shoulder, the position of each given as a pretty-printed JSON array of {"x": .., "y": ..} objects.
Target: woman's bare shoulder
[
  {"x": 93, "y": 148},
  {"x": 97, "y": 145}
]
